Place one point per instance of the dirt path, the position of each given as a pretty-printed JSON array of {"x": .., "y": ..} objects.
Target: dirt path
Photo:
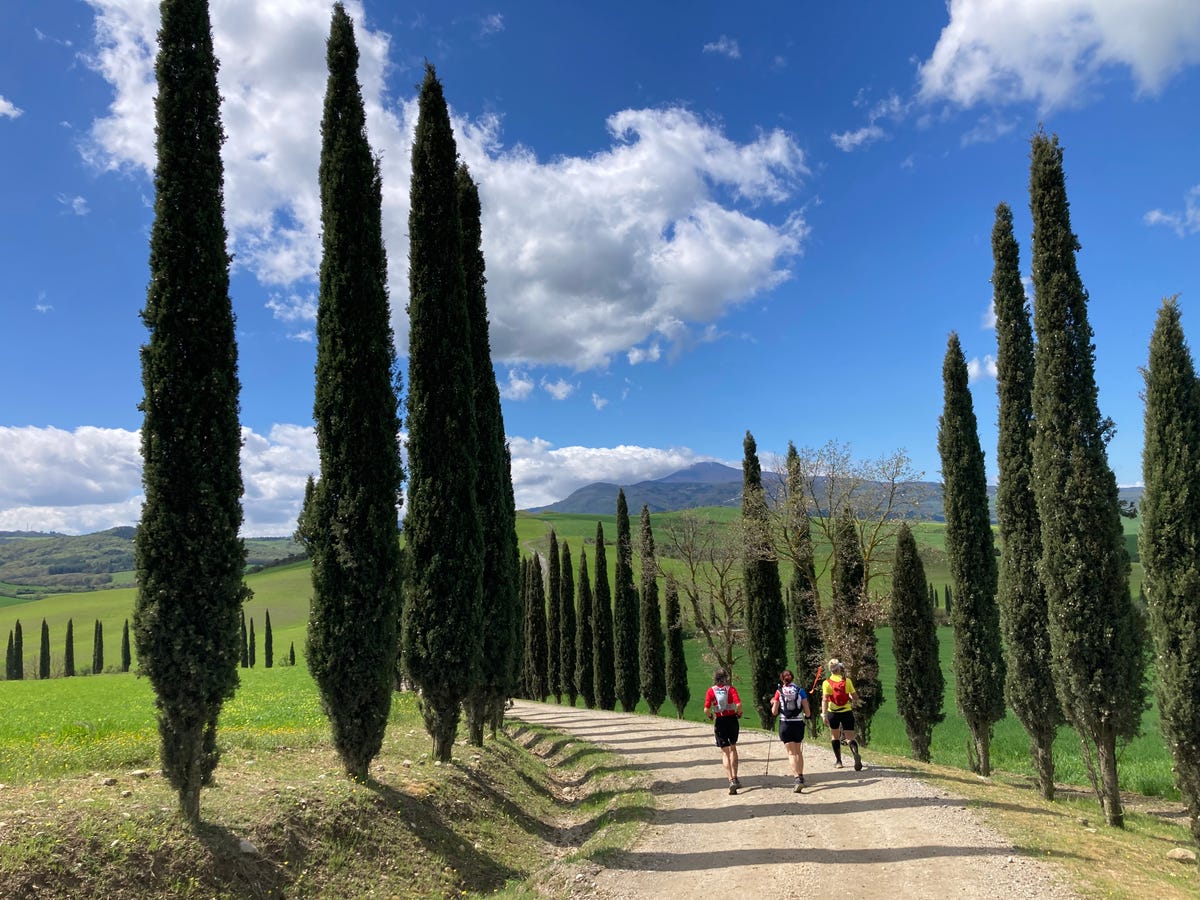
[{"x": 872, "y": 834}]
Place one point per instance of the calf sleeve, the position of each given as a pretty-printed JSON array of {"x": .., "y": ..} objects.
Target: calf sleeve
[{"x": 837, "y": 749}]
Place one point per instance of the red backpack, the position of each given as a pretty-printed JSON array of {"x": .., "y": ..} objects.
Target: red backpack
[{"x": 838, "y": 695}]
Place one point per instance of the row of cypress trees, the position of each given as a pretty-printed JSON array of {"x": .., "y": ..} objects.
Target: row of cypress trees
[
  {"x": 15, "y": 666},
  {"x": 249, "y": 644},
  {"x": 571, "y": 650}
]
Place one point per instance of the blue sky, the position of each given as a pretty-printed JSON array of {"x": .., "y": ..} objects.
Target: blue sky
[{"x": 698, "y": 219}]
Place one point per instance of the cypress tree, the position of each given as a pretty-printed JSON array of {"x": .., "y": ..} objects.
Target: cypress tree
[
  {"x": 766, "y": 622},
  {"x": 1097, "y": 640},
  {"x": 1167, "y": 543},
  {"x": 677, "y": 677},
  {"x": 603, "y": 663},
  {"x": 98, "y": 648},
  {"x": 523, "y": 660},
  {"x": 18, "y": 653},
  {"x": 496, "y": 672},
  {"x": 352, "y": 531},
  {"x": 625, "y": 613},
  {"x": 188, "y": 554},
  {"x": 44, "y": 656},
  {"x": 9, "y": 672},
  {"x": 948, "y": 603},
  {"x": 268, "y": 642},
  {"x": 853, "y": 622},
  {"x": 1021, "y": 596},
  {"x": 126, "y": 656},
  {"x": 244, "y": 649},
  {"x": 585, "y": 669},
  {"x": 803, "y": 609},
  {"x": 535, "y": 630},
  {"x": 978, "y": 659},
  {"x": 292, "y": 653},
  {"x": 443, "y": 614},
  {"x": 567, "y": 627},
  {"x": 920, "y": 687},
  {"x": 553, "y": 611},
  {"x": 251, "y": 650},
  {"x": 69, "y": 651},
  {"x": 651, "y": 641}
]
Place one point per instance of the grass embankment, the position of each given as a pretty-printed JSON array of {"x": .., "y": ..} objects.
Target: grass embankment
[{"x": 74, "y": 822}]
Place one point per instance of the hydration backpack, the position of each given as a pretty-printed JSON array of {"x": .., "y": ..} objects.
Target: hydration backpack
[
  {"x": 789, "y": 700},
  {"x": 838, "y": 695},
  {"x": 721, "y": 697}
]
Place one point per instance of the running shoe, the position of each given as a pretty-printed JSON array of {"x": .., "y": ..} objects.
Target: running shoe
[
  {"x": 732, "y": 788},
  {"x": 838, "y": 765},
  {"x": 857, "y": 760},
  {"x": 737, "y": 782},
  {"x": 799, "y": 785}
]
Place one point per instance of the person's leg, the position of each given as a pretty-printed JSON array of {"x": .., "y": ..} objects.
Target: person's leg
[
  {"x": 727, "y": 756},
  {"x": 793, "y": 751},
  {"x": 835, "y": 741},
  {"x": 854, "y": 750},
  {"x": 733, "y": 763}
]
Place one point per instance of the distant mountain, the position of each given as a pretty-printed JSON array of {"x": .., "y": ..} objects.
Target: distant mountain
[
  {"x": 702, "y": 484},
  {"x": 714, "y": 484}
]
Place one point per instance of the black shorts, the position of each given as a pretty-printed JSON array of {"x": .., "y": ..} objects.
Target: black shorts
[
  {"x": 791, "y": 731},
  {"x": 726, "y": 729},
  {"x": 843, "y": 720}
]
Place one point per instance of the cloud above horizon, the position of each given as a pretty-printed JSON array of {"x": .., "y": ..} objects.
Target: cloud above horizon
[
  {"x": 656, "y": 235},
  {"x": 1053, "y": 54},
  {"x": 90, "y": 479}
]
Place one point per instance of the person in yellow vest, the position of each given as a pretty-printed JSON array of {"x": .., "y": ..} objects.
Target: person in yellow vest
[{"x": 837, "y": 709}]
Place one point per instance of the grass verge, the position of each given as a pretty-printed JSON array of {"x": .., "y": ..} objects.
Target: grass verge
[{"x": 530, "y": 806}]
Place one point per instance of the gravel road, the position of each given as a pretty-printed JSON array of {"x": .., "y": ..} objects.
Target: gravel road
[{"x": 878, "y": 833}]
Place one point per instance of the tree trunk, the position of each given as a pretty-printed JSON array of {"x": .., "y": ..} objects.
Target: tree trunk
[
  {"x": 1041, "y": 749},
  {"x": 478, "y": 713},
  {"x": 1110, "y": 793}
]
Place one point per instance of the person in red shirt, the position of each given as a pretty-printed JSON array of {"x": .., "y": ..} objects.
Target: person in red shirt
[{"x": 723, "y": 706}]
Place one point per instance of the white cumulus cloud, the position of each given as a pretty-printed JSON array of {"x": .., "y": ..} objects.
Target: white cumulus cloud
[
  {"x": 90, "y": 479},
  {"x": 725, "y": 46},
  {"x": 587, "y": 256},
  {"x": 1053, "y": 53},
  {"x": 8, "y": 110},
  {"x": 1183, "y": 222},
  {"x": 985, "y": 368},
  {"x": 560, "y": 389},
  {"x": 518, "y": 387}
]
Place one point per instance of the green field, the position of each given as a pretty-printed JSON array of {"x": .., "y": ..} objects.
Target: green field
[{"x": 111, "y": 717}]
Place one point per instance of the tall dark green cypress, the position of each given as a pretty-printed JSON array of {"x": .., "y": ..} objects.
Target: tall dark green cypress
[
  {"x": 501, "y": 603},
  {"x": 250, "y": 652},
  {"x": 1021, "y": 596},
  {"x": 352, "y": 519},
  {"x": 766, "y": 620},
  {"x": 126, "y": 656},
  {"x": 292, "y": 653},
  {"x": 553, "y": 610},
  {"x": 44, "y": 655},
  {"x": 1169, "y": 537},
  {"x": 522, "y": 689},
  {"x": 978, "y": 658},
  {"x": 652, "y": 648},
  {"x": 625, "y": 615},
  {"x": 443, "y": 614},
  {"x": 585, "y": 668},
  {"x": 852, "y": 621},
  {"x": 69, "y": 651},
  {"x": 1097, "y": 639},
  {"x": 535, "y": 629},
  {"x": 98, "y": 648},
  {"x": 18, "y": 652},
  {"x": 677, "y": 676},
  {"x": 188, "y": 555},
  {"x": 567, "y": 626},
  {"x": 268, "y": 642},
  {"x": 920, "y": 687},
  {"x": 803, "y": 608},
  {"x": 9, "y": 669},
  {"x": 244, "y": 643},
  {"x": 603, "y": 663}
]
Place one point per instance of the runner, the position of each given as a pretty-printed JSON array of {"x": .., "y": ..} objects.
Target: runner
[
  {"x": 723, "y": 706},
  {"x": 790, "y": 703},
  {"x": 837, "y": 709}
]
